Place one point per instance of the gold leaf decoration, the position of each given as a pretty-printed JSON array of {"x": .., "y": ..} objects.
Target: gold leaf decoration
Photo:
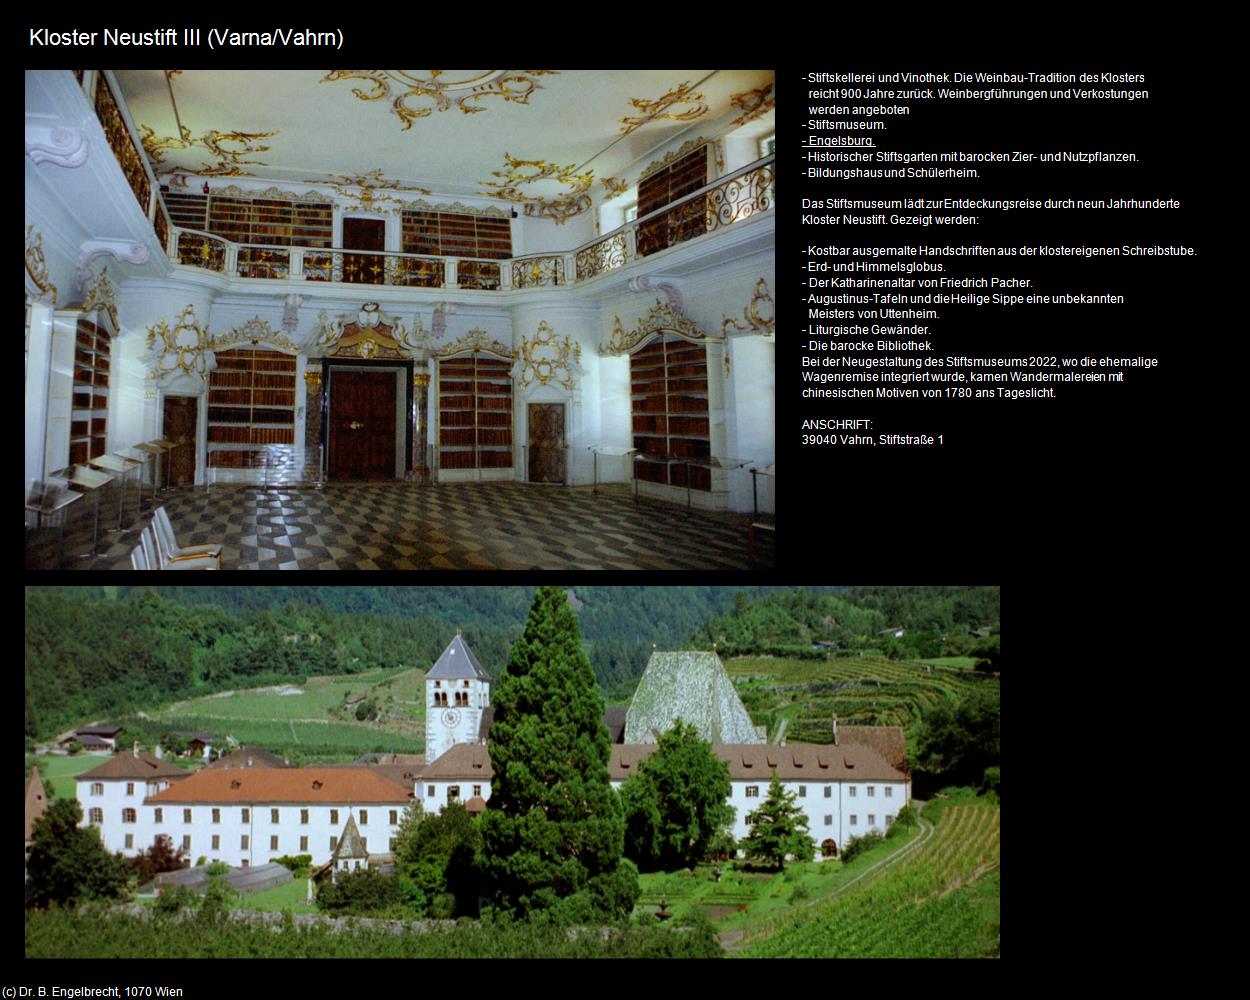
[
  {"x": 544, "y": 358},
  {"x": 477, "y": 340},
  {"x": 228, "y": 160},
  {"x": 37, "y": 264},
  {"x": 754, "y": 313},
  {"x": 662, "y": 318},
  {"x": 518, "y": 172},
  {"x": 658, "y": 109},
  {"x": 514, "y": 85},
  {"x": 753, "y": 103},
  {"x": 367, "y": 185}
]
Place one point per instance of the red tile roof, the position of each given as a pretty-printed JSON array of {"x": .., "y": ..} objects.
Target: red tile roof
[
  {"x": 312, "y": 785},
  {"x": 127, "y": 766}
]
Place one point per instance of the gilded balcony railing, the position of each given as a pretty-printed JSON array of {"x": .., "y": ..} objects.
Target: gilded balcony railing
[
  {"x": 538, "y": 272},
  {"x": 727, "y": 201},
  {"x": 609, "y": 253}
]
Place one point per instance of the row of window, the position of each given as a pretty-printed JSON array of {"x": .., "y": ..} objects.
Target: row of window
[
  {"x": 97, "y": 787},
  {"x": 96, "y": 815},
  {"x": 245, "y": 842},
  {"x": 453, "y": 792},
  {"x": 440, "y": 699},
  {"x": 872, "y": 820},
  {"x": 753, "y": 791}
]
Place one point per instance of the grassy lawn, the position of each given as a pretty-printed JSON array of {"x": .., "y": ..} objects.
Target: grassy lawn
[
  {"x": 763, "y": 894},
  {"x": 292, "y": 896},
  {"x": 59, "y": 773}
]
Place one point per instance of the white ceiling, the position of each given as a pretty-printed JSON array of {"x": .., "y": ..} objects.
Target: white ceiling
[{"x": 568, "y": 118}]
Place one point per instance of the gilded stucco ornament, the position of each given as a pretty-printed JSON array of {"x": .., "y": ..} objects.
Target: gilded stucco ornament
[
  {"x": 753, "y": 103},
  {"x": 443, "y": 93},
  {"x": 254, "y": 331},
  {"x": 613, "y": 186},
  {"x": 101, "y": 295},
  {"x": 759, "y": 313},
  {"x": 37, "y": 281},
  {"x": 368, "y": 333},
  {"x": 546, "y": 359},
  {"x": 477, "y": 340},
  {"x": 228, "y": 160},
  {"x": 686, "y": 147},
  {"x": 661, "y": 319},
  {"x": 181, "y": 350},
  {"x": 367, "y": 187},
  {"x": 659, "y": 108},
  {"x": 519, "y": 172}
]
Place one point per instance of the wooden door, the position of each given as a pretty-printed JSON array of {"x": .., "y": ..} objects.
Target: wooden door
[
  {"x": 181, "y": 413},
  {"x": 546, "y": 442},
  {"x": 364, "y": 234},
  {"x": 362, "y": 425}
]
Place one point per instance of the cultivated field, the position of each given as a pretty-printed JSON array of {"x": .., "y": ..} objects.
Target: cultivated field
[
  {"x": 863, "y": 691},
  {"x": 942, "y": 901}
]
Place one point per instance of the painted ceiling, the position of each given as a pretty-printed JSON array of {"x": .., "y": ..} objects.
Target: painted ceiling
[{"x": 516, "y": 135}]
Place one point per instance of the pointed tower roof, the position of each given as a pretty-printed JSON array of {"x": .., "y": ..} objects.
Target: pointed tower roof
[
  {"x": 36, "y": 800},
  {"x": 350, "y": 844},
  {"x": 457, "y": 662}
]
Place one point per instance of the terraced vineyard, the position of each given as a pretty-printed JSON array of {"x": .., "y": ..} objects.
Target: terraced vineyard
[
  {"x": 941, "y": 902},
  {"x": 861, "y": 691}
]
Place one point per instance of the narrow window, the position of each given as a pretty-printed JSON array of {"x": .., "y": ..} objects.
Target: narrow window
[
  {"x": 851, "y": 791},
  {"x": 303, "y": 816},
  {"x": 243, "y": 842},
  {"x": 216, "y": 841},
  {"x": 186, "y": 842},
  {"x": 97, "y": 815},
  {"x": 334, "y": 816},
  {"x": 273, "y": 816},
  {"x": 186, "y": 815},
  {"x": 872, "y": 819},
  {"x": 130, "y": 840},
  {"x": 247, "y": 815},
  {"x": 477, "y": 790},
  {"x": 828, "y": 821},
  {"x": 128, "y": 815},
  {"x": 854, "y": 820},
  {"x": 828, "y": 791},
  {"x": 130, "y": 788},
  {"x": 802, "y": 791},
  {"x": 394, "y": 817},
  {"x": 872, "y": 791},
  {"x": 453, "y": 793},
  {"x": 333, "y": 844},
  {"x": 303, "y": 844},
  {"x": 364, "y": 816},
  {"x": 97, "y": 788},
  {"x": 889, "y": 791},
  {"x": 429, "y": 791},
  {"x": 160, "y": 815},
  {"x": 273, "y": 842},
  {"x": 216, "y": 815}
]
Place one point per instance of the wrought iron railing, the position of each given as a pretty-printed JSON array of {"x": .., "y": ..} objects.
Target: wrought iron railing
[
  {"x": 538, "y": 272},
  {"x": 725, "y": 202}
]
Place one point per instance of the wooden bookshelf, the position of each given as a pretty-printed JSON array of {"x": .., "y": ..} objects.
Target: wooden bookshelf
[
  {"x": 189, "y": 211},
  {"x": 475, "y": 413},
  {"x": 451, "y": 235},
  {"x": 271, "y": 221},
  {"x": 251, "y": 406},
  {"x": 669, "y": 410},
  {"x": 89, "y": 408},
  {"x": 665, "y": 186}
]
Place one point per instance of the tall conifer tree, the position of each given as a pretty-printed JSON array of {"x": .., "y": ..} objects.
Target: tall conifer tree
[{"x": 553, "y": 835}]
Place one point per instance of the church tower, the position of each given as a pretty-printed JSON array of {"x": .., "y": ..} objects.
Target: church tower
[{"x": 457, "y": 690}]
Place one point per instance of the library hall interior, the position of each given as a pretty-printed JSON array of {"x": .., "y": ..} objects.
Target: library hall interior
[{"x": 399, "y": 319}]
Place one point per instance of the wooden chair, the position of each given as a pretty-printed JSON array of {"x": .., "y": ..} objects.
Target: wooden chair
[{"x": 166, "y": 540}]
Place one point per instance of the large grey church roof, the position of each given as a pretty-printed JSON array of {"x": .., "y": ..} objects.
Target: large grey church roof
[
  {"x": 457, "y": 662},
  {"x": 692, "y": 686}
]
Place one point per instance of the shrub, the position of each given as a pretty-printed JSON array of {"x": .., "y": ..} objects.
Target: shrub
[
  {"x": 799, "y": 894},
  {"x": 858, "y": 845},
  {"x": 362, "y": 893},
  {"x": 298, "y": 865},
  {"x": 174, "y": 898}
]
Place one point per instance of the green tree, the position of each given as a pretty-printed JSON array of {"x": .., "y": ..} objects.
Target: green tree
[
  {"x": 778, "y": 828},
  {"x": 160, "y": 857},
  {"x": 68, "y": 863},
  {"x": 438, "y": 856},
  {"x": 675, "y": 806},
  {"x": 955, "y": 746},
  {"x": 361, "y": 893},
  {"x": 553, "y": 834}
]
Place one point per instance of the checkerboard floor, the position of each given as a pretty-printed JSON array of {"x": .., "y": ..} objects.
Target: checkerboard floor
[{"x": 398, "y": 526}]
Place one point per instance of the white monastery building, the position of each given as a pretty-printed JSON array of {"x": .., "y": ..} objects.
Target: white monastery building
[{"x": 249, "y": 814}]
